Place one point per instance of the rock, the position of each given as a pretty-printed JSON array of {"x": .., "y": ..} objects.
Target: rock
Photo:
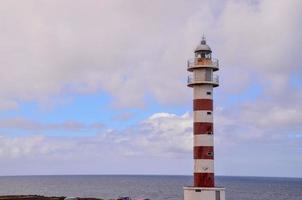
[
  {"x": 38, "y": 197},
  {"x": 29, "y": 197}
]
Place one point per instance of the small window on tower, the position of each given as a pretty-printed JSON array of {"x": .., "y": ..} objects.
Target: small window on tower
[
  {"x": 210, "y": 132},
  {"x": 209, "y": 113},
  {"x": 209, "y": 93},
  {"x": 211, "y": 153}
]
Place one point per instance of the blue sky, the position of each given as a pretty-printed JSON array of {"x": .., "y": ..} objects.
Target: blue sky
[{"x": 100, "y": 87}]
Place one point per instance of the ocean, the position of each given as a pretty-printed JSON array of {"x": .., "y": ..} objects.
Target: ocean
[{"x": 153, "y": 187}]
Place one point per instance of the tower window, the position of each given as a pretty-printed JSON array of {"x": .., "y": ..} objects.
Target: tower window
[
  {"x": 208, "y": 56},
  {"x": 209, "y": 113},
  {"x": 210, "y": 153},
  {"x": 209, "y": 93}
]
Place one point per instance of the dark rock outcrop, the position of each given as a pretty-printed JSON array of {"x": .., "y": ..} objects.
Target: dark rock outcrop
[{"x": 38, "y": 197}]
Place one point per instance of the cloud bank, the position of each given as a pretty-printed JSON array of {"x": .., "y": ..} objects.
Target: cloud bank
[{"x": 134, "y": 52}]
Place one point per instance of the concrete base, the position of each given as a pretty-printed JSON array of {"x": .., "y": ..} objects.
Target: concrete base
[{"x": 202, "y": 193}]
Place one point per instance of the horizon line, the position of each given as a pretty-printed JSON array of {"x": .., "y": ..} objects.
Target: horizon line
[{"x": 246, "y": 176}]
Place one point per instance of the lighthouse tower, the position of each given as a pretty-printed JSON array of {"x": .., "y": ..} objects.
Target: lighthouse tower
[{"x": 203, "y": 80}]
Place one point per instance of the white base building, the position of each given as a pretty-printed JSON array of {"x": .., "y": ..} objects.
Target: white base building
[{"x": 203, "y": 193}]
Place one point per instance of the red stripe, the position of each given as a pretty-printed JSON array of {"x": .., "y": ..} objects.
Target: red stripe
[
  {"x": 204, "y": 180},
  {"x": 203, "y": 152},
  {"x": 202, "y": 104},
  {"x": 203, "y": 128}
]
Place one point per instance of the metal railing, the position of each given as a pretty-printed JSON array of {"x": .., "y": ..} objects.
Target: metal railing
[
  {"x": 192, "y": 80},
  {"x": 216, "y": 79},
  {"x": 206, "y": 62}
]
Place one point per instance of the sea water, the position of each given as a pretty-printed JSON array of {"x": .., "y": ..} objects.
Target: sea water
[{"x": 152, "y": 187}]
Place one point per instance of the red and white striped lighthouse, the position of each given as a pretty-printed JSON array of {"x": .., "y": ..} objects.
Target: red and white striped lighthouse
[{"x": 203, "y": 81}]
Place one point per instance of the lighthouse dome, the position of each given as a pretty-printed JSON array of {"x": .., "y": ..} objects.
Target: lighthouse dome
[{"x": 203, "y": 46}]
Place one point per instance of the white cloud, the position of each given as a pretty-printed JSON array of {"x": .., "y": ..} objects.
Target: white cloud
[
  {"x": 86, "y": 49},
  {"x": 30, "y": 125},
  {"x": 159, "y": 134},
  {"x": 162, "y": 136},
  {"x": 162, "y": 139},
  {"x": 141, "y": 50},
  {"x": 6, "y": 104}
]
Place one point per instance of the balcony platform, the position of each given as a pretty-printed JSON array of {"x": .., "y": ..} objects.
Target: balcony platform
[
  {"x": 196, "y": 63},
  {"x": 193, "y": 81}
]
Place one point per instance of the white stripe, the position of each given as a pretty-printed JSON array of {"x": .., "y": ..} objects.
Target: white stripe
[
  {"x": 203, "y": 166},
  {"x": 203, "y": 116},
  {"x": 203, "y": 140},
  {"x": 200, "y": 92}
]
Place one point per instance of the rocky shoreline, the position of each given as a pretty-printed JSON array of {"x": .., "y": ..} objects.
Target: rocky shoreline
[{"x": 38, "y": 197}]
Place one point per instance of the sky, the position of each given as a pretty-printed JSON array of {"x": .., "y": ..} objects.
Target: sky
[{"x": 99, "y": 86}]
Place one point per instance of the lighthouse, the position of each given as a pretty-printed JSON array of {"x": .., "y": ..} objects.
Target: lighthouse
[{"x": 203, "y": 80}]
